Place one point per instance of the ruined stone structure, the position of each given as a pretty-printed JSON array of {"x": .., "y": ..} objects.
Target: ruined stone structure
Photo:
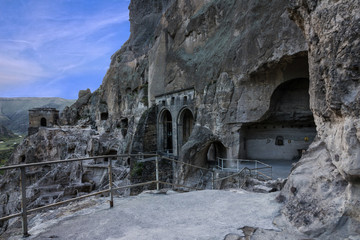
[
  {"x": 42, "y": 117},
  {"x": 203, "y": 79},
  {"x": 175, "y": 120}
]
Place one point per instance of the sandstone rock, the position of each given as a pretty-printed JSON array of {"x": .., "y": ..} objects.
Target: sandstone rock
[
  {"x": 261, "y": 189},
  {"x": 233, "y": 236},
  {"x": 83, "y": 93},
  {"x": 52, "y": 183},
  {"x": 332, "y": 32},
  {"x": 235, "y": 55}
]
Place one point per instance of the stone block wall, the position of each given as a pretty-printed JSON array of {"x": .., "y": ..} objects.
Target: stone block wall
[{"x": 42, "y": 117}]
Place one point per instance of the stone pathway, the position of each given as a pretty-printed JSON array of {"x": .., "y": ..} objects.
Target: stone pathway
[{"x": 208, "y": 214}]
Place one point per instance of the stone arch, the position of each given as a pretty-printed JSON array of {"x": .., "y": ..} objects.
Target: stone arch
[
  {"x": 165, "y": 131},
  {"x": 185, "y": 125},
  {"x": 43, "y": 122},
  {"x": 291, "y": 101},
  {"x": 215, "y": 150}
]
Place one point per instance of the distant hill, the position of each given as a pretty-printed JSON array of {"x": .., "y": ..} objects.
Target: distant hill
[
  {"x": 14, "y": 113},
  {"x": 5, "y": 133}
]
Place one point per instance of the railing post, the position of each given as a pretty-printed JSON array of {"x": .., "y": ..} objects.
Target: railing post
[
  {"x": 157, "y": 172},
  {"x": 110, "y": 183},
  {"x": 23, "y": 202},
  {"x": 213, "y": 180},
  {"x": 256, "y": 171}
]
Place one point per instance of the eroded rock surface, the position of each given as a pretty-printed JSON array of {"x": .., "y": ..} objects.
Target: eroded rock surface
[
  {"x": 322, "y": 193},
  {"x": 250, "y": 68},
  {"x": 52, "y": 183}
]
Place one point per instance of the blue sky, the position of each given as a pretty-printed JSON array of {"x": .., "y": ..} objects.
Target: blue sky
[{"x": 54, "y": 48}]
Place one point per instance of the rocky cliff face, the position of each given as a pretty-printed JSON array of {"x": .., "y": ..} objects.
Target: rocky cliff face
[
  {"x": 249, "y": 66},
  {"x": 328, "y": 198},
  {"x": 226, "y": 50},
  {"x": 123, "y": 96}
]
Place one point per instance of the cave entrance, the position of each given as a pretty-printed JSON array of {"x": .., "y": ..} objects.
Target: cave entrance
[
  {"x": 166, "y": 131},
  {"x": 185, "y": 126},
  {"x": 43, "y": 122},
  {"x": 215, "y": 150},
  {"x": 288, "y": 129},
  {"x": 104, "y": 116}
]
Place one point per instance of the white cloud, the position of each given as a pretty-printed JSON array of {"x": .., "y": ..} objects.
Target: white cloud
[
  {"x": 68, "y": 30},
  {"x": 48, "y": 40},
  {"x": 15, "y": 71}
]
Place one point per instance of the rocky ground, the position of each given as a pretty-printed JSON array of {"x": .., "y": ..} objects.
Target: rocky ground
[{"x": 208, "y": 214}]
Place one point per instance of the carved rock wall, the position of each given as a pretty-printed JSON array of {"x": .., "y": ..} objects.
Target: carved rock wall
[
  {"x": 322, "y": 193},
  {"x": 235, "y": 54}
]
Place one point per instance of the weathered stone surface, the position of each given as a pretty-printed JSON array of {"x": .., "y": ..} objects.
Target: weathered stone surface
[
  {"x": 52, "y": 183},
  {"x": 322, "y": 193},
  {"x": 236, "y": 55},
  {"x": 199, "y": 215},
  {"x": 232, "y": 236}
]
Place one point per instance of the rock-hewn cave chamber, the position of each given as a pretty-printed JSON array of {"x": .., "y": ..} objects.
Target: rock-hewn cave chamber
[
  {"x": 214, "y": 151},
  {"x": 288, "y": 127}
]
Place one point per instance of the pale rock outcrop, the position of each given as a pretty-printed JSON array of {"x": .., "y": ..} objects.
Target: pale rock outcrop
[{"x": 323, "y": 191}]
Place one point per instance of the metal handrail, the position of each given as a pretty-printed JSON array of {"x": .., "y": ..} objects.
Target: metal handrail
[
  {"x": 233, "y": 175},
  {"x": 22, "y": 167},
  {"x": 111, "y": 189},
  {"x": 179, "y": 185},
  {"x": 73, "y": 160},
  {"x": 256, "y": 168},
  {"x": 188, "y": 164},
  {"x": 263, "y": 174},
  {"x": 263, "y": 163}
]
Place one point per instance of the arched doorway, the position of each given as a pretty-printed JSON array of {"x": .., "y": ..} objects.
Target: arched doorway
[
  {"x": 43, "y": 122},
  {"x": 215, "y": 150},
  {"x": 166, "y": 133},
  {"x": 185, "y": 126}
]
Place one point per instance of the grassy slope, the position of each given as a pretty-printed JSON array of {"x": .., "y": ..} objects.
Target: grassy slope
[{"x": 7, "y": 147}]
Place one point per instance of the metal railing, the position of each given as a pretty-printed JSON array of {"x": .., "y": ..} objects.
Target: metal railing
[
  {"x": 110, "y": 158},
  {"x": 197, "y": 184},
  {"x": 258, "y": 169},
  {"x": 206, "y": 175},
  {"x": 241, "y": 177},
  {"x": 25, "y": 211}
]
